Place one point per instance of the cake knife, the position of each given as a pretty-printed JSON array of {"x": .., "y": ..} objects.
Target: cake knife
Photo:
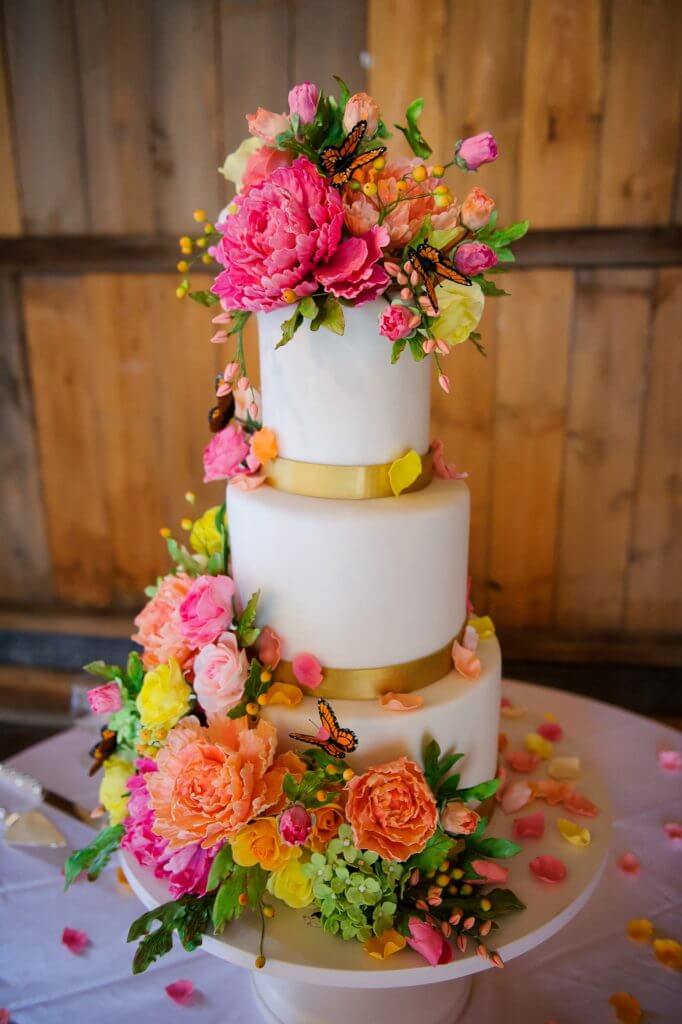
[{"x": 30, "y": 786}]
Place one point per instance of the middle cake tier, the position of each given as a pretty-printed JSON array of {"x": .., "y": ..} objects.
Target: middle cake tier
[{"x": 359, "y": 584}]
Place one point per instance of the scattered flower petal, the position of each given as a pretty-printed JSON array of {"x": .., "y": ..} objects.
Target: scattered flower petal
[
  {"x": 629, "y": 864},
  {"x": 550, "y": 731},
  {"x": 628, "y": 1010},
  {"x": 180, "y": 991},
  {"x": 484, "y": 626},
  {"x": 673, "y": 832},
  {"x": 75, "y": 940},
  {"x": 491, "y": 873},
  {"x": 307, "y": 670},
  {"x": 502, "y": 742},
  {"x": 530, "y": 827},
  {"x": 552, "y": 791},
  {"x": 400, "y": 702},
  {"x": 404, "y": 471},
  {"x": 509, "y": 710},
  {"x": 574, "y": 834},
  {"x": 640, "y": 929},
  {"x": 537, "y": 745},
  {"x": 522, "y": 761},
  {"x": 670, "y": 760},
  {"x": 284, "y": 693},
  {"x": 466, "y": 663},
  {"x": 548, "y": 869},
  {"x": 564, "y": 768},
  {"x": 247, "y": 481},
  {"x": 122, "y": 881},
  {"x": 516, "y": 796},
  {"x": 669, "y": 953},
  {"x": 470, "y": 638},
  {"x": 502, "y": 776},
  {"x": 576, "y": 803},
  {"x": 382, "y": 946},
  {"x": 4, "y": 1015}
]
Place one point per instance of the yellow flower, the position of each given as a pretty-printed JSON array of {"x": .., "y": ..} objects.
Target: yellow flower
[
  {"x": 640, "y": 929},
  {"x": 484, "y": 626},
  {"x": 537, "y": 744},
  {"x": 164, "y": 697},
  {"x": 205, "y": 537},
  {"x": 460, "y": 308},
  {"x": 284, "y": 693},
  {"x": 235, "y": 163},
  {"x": 290, "y": 885},
  {"x": 572, "y": 833},
  {"x": 260, "y": 843},
  {"x": 113, "y": 789},
  {"x": 382, "y": 946},
  {"x": 669, "y": 953},
  {"x": 404, "y": 471}
]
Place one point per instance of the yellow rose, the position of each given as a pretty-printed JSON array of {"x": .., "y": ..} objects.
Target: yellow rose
[
  {"x": 260, "y": 843},
  {"x": 205, "y": 537},
  {"x": 290, "y": 885},
  {"x": 460, "y": 310},
  {"x": 235, "y": 163},
  {"x": 113, "y": 789},
  {"x": 164, "y": 697}
]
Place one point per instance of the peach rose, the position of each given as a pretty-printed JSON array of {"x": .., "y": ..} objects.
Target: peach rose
[
  {"x": 328, "y": 820},
  {"x": 158, "y": 624},
  {"x": 213, "y": 780},
  {"x": 476, "y": 209},
  {"x": 220, "y": 671},
  {"x": 391, "y": 810},
  {"x": 458, "y": 819},
  {"x": 361, "y": 107},
  {"x": 267, "y": 125}
]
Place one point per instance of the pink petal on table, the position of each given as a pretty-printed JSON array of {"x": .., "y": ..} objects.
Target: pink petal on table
[
  {"x": 522, "y": 761},
  {"x": 548, "y": 869},
  {"x": 401, "y": 701},
  {"x": 4, "y": 1015},
  {"x": 629, "y": 864},
  {"x": 673, "y": 832},
  {"x": 578, "y": 804},
  {"x": 307, "y": 670},
  {"x": 75, "y": 940},
  {"x": 180, "y": 991},
  {"x": 530, "y": 827},
  {"x": 490, "y": 872},
  {"x": 550, "y": 731},
  {"x": 516, "y": 796},
  {"x": 505, "y": 702},
  {"x": 502, "y": 776},
  {"x": 670, "y": 760}
]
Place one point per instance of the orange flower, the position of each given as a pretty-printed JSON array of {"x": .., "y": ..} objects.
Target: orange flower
[
  {"x": 212, "y": 781},
  {"x": 264, "y": 445},
  {"x": 391, "y": 810},
  {"x": 328, "y": 820},
  {"x": 158, "y": 624}
]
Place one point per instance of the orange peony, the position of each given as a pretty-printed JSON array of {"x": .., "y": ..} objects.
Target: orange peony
[
  {"x": 211, "y": 781},
  {"x": 328, "y": 820},
  {"x": 391, "y": 810}
]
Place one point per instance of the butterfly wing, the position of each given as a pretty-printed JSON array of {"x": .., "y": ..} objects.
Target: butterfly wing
[
  {"x": 330, "y": 157},
  {"x": 312, "y": 741},
  {"x": 349, "y": 146},
  {"x": 441, "y": 264},
  {"x": 340, "y": 162},
  {"x": 344, "y": 740},
  {"x": 424, "y": 275}
]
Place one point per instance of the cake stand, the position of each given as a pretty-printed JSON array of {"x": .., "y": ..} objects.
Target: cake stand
[{"x": 311, "y": 977}]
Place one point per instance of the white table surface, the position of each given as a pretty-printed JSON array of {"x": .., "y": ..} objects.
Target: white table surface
[{"x": 567, "y": 980}]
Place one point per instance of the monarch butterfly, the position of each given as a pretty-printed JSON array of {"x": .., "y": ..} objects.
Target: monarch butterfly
[
  {"x": 339, "y": 162},
  {"x": 430, "y": 263},
  {"x": 103, "y": 749},
  {"x": 221, "y": 414},
  {"x": 332, "y": 738}
]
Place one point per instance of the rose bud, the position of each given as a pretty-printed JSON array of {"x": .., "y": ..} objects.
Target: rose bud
[
  {"x": 474, "y": 257},
  {"x": 295, "y": 825},
  {"x": 475, "y": 151},
  {"x": 476, "y": 209},
  {"x": 458, "y": 819},
  {"x": 303, "y": 101},
  {"x": 361, "y": 107}
]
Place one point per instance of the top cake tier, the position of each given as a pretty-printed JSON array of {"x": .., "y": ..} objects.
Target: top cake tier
[{"x": 336, "y": 399}]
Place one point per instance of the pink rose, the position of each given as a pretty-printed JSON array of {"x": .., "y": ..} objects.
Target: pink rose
[
  {"x": 224, "y": 453},
  {"x": 207, "y": 611},
  {"x": 295, "y": 825},
  {"x": 220, "y": 671},
  {"x": 397, "y": 322},
  {"x": 262, "y": 163},
  {"x": 307, "y": 670},
  {"x": 266, "y": 125},
  {"x": 361, "y": 107},
  {"x": 476, "y": 209},
  {"x": 459, "y": 819},
  {"x": 303, "y": 101},
  {"x": 429, "y": 942},
  {"x": 480, "y": 149},
  {"x": 354, "y": 271},
  {"x": 491, "y": 873},
  {"x": 269, "y": 648},
  {"x": 474, "y": 257},
  {"x": 105, "y": 699}
]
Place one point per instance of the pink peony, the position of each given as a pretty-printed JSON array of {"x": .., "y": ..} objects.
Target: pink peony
[
  {"x": 480, "y": 149},
  {"x": 397, "y": 322},
  {"x": 158, "y": 624},
  {"x": 262, "y": 163},
  {"x": 476, "y": 209},
  {"x": 307, "y": 670},
  {"x": 220, "y": 671},
  {"x": 303, "y": 101},
  {"x": 207, "y": 610},
  {"x": 458, "y": 819},
  {"x": 295, "y": 825},
  {"x": 269, "y": 648},
  {"x": 429, "y": 942},
  {"x": 105, "y": 699},
  {"x": 281, "y": 232},
  {"x": 361, "y": 107},
  {"x": 266, "y": 125},
  {"x": 355, "y": 272},
  {"x": 224, "y": 453},
  {"x": 474, "y": 257}
]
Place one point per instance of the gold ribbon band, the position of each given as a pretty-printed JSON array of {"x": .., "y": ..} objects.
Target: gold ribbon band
[
  {"x": 317, "y": 480},
  {"x": 370, "y": 683}
]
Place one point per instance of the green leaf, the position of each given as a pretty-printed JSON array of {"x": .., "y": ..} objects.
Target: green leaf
[
  {"x": 135, "y": 674},
  {"x": 329, "y": 315},
  {"x": 152, "y": 948},
  {"x": 238, "y": 711},
  {"x": 204, "y": 298},
  {"x": 93, "y": 857},
  {"x": 500, "y": 848},
  {"x": 226, "y": 906},
  {"x": 221, "y": 867},
  {"x": 344, "y": 92},
  {"x": 505, "y": 255},
  {"x": 189, "y": 916},
  {"x": 308, "y": 307},
  {"x": 290, "y": 787},
  {"x": 239, "y": 318},
  {"x": 480, "y": 792},
  {"x": 256, "y": 881},
  {"x": 418, "y": 143},
  {"x": 398, "y": 349},
  {"x": 504, "y": 901},
  {"x": 488, "y": 287},
  {"x": 475, "y": 339},
  {"x": 449, "y": 789},
  {"x": 511, "y": 234},
  {"x": 416, "y": 349},
  {"x": 104, "y": 671},
  {"x": 247, "y": 619},
  {"x": 289, "y": 327},
  {"x": 433, "y": 854}
]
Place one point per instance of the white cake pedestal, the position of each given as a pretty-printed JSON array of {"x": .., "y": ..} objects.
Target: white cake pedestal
[{"x": 314, "y": 978}]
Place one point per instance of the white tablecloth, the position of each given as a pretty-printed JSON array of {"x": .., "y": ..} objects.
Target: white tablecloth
[{"x": 568, "y": 980}]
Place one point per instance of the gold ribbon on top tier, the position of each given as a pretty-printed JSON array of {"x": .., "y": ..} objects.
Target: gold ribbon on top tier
[{"x": 319, "y": 480}]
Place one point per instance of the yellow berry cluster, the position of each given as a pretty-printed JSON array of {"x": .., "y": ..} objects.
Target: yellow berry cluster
[{"x": 193, "y": 247}]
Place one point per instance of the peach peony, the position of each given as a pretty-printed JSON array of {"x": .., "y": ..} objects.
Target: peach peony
[
  {"x": 158, "y": 624},
  {"x": 213, "y": 780},
  {"x": 391, "y": 810}
]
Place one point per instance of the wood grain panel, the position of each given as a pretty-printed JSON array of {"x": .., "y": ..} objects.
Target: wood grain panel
[
  {"x": 562, "y": 111},
  {"x": 608, "y": 372},
  {"x": 10, "y": 212},
  {"x": 640, "y": 135},
  {"x": 654, "y": 600},
  {"x": 329, "y": 39},
  {"x": 44, "y": 83},
  {"x": 534, "y": 332}
]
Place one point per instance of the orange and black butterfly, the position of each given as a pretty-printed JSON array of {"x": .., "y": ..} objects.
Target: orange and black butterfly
[
  {"x": 339, "y": 162},
  {"x": 331, "y": 737},
  {"x": 430, "y": 264},
  {"x": 103, "y": 749},
  {"x": 221, "y": 414}
]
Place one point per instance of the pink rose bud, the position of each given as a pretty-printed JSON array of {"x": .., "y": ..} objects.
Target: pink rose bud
[
  {"x": 303, "y": 101},
  {"x": 458, "y": 819},
  {"x": 476, "y": 209},
  {"x": 474, "y": 257},
  {"x": 253, "y": 410},
  {"x": 401, "y": 278},
  {"x": 361, "y": 107},
  {"x": 396, "y": 322},
  {"x": 219, "y": 337},
  {"x": 429, "y": 942},
  {"x": 475, "y": 151},
  {"x": 414, "y": 278},
  {"x": 444, "y": 383},
  {"x": 243, "y": 384},
  {"x": 429, "y": 346},
  {"x": 391, "y": 268},
  {"x": 405, "y": 294},
  {"x": 105, "y": 699},
  {"x": 442, "y": 347},
  {"x": 295, "y": 825},
  {"x": 407, "y": 266}
]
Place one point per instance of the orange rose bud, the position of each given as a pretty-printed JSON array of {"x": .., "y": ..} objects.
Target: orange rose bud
[
  {"x": 264, "y": 445},
  {"x": 476, "y": 209}
]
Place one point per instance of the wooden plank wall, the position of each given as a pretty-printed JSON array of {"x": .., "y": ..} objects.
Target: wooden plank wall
[{"x": 113, "y": 125}]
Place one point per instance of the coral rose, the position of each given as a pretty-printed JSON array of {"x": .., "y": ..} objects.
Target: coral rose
[
  {"x": 264, "y": 445},
  {"x": 458, "y": 819},
  {"x": 266, "y": 125},
  {"x": 224, "y": 453},
  {"x": 211, "y": 781},
  {"x": 269, "y": 648},
  {"x": 391, "y": 810},
  {"x": 207, "y": 611},
  {"x": 361, "y": 107},
  {"x": 355, "y": 271},
  {"x": 262, "y": 163},
  {"x": 220, "y": 671},
  {"x": 158, "y": 624},
  {"x": 260, "y": 843},
  {"x": 476, "y": 209}
]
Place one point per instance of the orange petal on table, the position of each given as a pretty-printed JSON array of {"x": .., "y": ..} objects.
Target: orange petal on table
[
  {"x": 522, "y": 761},
  {"x": 628, "y": 1010},
  {"x": 284, "y": 693},
  {"x": 400, "y": 702},
  {"x": 502, "y": 742},
  {"x": 564, "y": 768},
  {"x": 552, "y": 791},
  {"x": 576, "y": 803},
  {"x": 530, "y": 827},
  {"x": 629, "y": 864},
  {"x": 640, "y": 929},
  {"x": 669, "y": 953},
  {"x": 382, "y": 946}
]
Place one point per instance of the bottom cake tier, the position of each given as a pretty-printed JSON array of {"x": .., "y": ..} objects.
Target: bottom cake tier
[{"x": 461, "y": 714}]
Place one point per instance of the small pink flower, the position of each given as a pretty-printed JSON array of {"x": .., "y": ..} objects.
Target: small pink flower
[
  {"x": 262, "y": 163},
  {"x": 522, "y": 761},
  {"x": 224, "y": 453},
  {"x": 550, "y": 731},
  {"x": 75, "y": 940},
  {"x": 490, "y": 872},
  {"x": 670, "y": 760},
  {"x": 629, "y": 864},
  {"x": 444, "y": 383},
  {"x": 673, "y": 832},
  {"x": 266, "y": 125},
  {"x": 477, "y": 150},
  {"x": 269, "y": 648},
  {"x": 295, "y": 825},
  {"x": 180, "y": 991},
  {"x": 441, "y": 468},
  {"x": 397, "y": 322},
  {"x": 530, "y": 827},
  {"x": 355, "y": 272},
  {"x": 207, "y": 610},
  {"x": 548, "y": 869},
  {"x": 429, "y": 942},
  {"x": 361, "y": 107},
  {"x": 307, "y": 670},
  {"x": 466, "y": 662},
  {"x": 458, "y": 819},
  {"x": 474, "y": 257},
  {"x": 220, "y": 671},
  {"x": 476, "y": 209},
  {"x": 303, "y": 100},
  {"x": 105, "y": 699}
]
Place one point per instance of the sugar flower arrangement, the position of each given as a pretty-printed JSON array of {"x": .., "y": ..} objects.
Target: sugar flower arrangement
[
  {"x": 196, "y": 790},
  {"x": 325, "y": 218}
]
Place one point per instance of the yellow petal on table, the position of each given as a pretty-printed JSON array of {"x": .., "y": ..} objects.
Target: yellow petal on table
[
  {"x": 284, "y": 693},
  {"x": 537, "y": 744},
  {"x": 484, "y": 626},
  {"x": 564, "y": 768},
  {"x": 382, "y": 946},
  {"x": 628, "y": 1010},
  {"x": 512, "y": 711},
  {"x": 640, "y": 929},
  {"x": 576, "y": 835},
  {"x": 404, "y": 471},
  {"x": 549, "y": 717},
  {"x": 669, "y": 953}
]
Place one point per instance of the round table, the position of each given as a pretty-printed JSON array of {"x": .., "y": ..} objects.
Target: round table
[{"x": 568, "y": 978}]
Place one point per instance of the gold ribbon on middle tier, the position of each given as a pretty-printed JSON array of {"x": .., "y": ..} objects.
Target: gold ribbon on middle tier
[{"x": 319, "y": 480}]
